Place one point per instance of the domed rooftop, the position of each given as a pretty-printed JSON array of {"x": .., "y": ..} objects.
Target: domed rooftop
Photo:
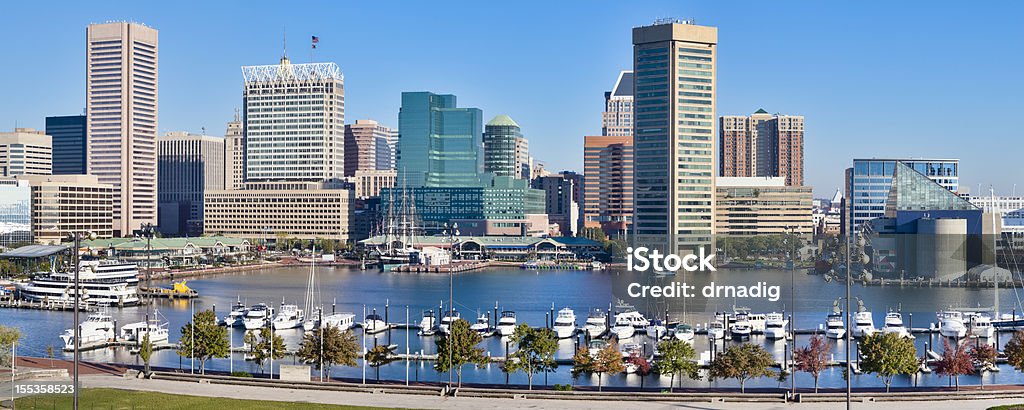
[{"x": 502, "y": 120}]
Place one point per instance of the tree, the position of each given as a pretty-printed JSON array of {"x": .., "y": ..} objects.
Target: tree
[
  {"x": 266, "y": 346},
  {"x": 642, "y": 365},
  {"x": 146, "y": 352},
  {"x": 888, "y": 355},
  {"x": 378, "y": 356},
  {"x": 608, "y": 361},
  {"x": 49, "y": 354},
  {"x": 8, "y": 337},
  {"x": 535, "y": 351},
  {"x": 1014, "y": 350},
  {"x": 742, "y": 362},
  {"x": 458, "y": 348},
  {"x": 677, "y": 360},
  {"x": 984, "y": 355},
  {"x": 582, "y": 363},
  {"x": 203, "y": 339},
  {"x": 954, "y": 362},
  {"x": 813, "y": 358},
  {"x": 338, "y": 348},
  {"x": 281, "y": 241}
]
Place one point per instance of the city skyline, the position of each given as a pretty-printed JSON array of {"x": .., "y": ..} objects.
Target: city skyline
[{"x": 897, "y": 93}]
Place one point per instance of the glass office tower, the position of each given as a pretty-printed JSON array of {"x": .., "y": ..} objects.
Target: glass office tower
[
  {"x": 439, "y": 145},
  {"x": 871, "y": 179}
]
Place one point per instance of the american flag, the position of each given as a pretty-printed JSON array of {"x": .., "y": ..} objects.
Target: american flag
[{"x": 315, "y": 41}]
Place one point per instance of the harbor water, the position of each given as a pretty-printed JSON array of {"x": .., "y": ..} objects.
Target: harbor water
[{"x": 532, "y": 295}]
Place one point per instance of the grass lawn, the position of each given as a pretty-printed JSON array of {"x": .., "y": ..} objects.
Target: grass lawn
[
  {"x": 1008, "y": 407},
  {"x": 113, "y": 399}
]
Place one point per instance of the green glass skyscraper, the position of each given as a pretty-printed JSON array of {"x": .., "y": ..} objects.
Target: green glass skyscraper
[{"x": 439, "y": 145}]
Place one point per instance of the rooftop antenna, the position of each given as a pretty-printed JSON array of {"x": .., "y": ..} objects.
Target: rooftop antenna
[
  {"x": 284, "y": 42},
  {"x": 204, "y": 130},
  {"x": 236, "y": 114}
]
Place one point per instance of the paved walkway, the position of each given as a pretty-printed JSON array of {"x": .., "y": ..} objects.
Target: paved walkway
[{"x": 436, "y": 402}]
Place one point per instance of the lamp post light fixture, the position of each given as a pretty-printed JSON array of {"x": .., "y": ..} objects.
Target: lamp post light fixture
[
  {"x": 148, "y": 231},
  {"x": 452, "y": 234},
  {"x": 76, "y": 239}
]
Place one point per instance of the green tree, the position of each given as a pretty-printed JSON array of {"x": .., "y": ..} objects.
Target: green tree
[
  {"x": 203, "y": 339},
  {"x": 608, "y": 361},
  {"x": 8, "y": 337},
  {"x": 582, "y": 363},
  {"x": 378, "y": 356},
  {"x": 49, "y": 354},
  {"x": 954, "y": 362},
  {"x": 338, "y": 348},
  {"x": 458, "y": 348},
  {"x": 677, "y": 360},
  {"x": 984, "y": 356},
  {"x": 742, "y": 362},
  {"x": 281, "y": 242},
  {"x": 813, "y": 358},
  {"x": 535, "y": 351},
  {"x": 1014, "y": 350},
  {"x": 888, "y": 355},
  {"x": 265, "y": 346},
  {"x": 146, "y": 352}
]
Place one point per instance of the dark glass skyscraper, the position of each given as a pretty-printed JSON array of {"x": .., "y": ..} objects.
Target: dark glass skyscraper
[
  {"x": 439, "y": 145},
  {"x": 68, "y": 134}
]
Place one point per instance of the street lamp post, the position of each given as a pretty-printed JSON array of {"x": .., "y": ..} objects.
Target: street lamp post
[
  {"x": 452, "y": 233},
  {"x": 76, "y": 238}
]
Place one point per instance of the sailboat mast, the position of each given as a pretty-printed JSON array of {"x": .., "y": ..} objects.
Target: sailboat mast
[{"x": 995, "y": 253}]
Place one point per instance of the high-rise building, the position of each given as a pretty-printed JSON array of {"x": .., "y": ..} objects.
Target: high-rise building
[
  {"x": 869, "y": 180},
  {"x": 506, "y": 151},
  {"x": 608, "y": 184},
  {"x": 62, "y": 204},
  {"x": 762, "y": 145},
  {"x": 749, "y": 206},
  {"x": 189, "y": 165},
  {"x": 234, "y": 154},
  {"x": 673, "y": 135},
  {"x": 439, "y": 144},
  {"x": 303, "y": 210},
  {"x": 25, "y": 152},
  {"x": 68, "y": 133},
  {"x": 121, "y": 115},
  {"x": 560, "y": 202},
  {"x": 294, "y": 122},
  {"x": 617, "y": 119},
  {"x": 15, "y": 211},
  {"x": 369, "y": 146}
]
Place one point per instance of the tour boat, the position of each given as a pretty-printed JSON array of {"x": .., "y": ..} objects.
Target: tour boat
[
  {"x": 981, "y": 326},
  {"x": 951, "y": 324},
  {"x": 373, "y": 323},
  {"x": 740, "y": 328},
  {"x": 102, "y": 282},
  {"x": 446, "y": 321},
  {"x": 565, "y": 323},
  {"x": 683, "y": 332},
  {"x": 258, "y": 316},
  {"x": 236, "y": 316},
  {"x": 596, "y": 324},
  {"x": 428, "y": 324},
  {"x": 482, "y": 325},
  {"x": 656, "y": 329},
  {"x": 775, "y": 326},
  {"x": 289, "y": 317},
  {"x": 98, "y": 327},
  {"x": 507, "y": 323},
  {"x": 716, "y": 330},
  {"x": 135, "y": 332},
  {"x": 835, "y": 327},
  {"x": 894, "y": 324}
]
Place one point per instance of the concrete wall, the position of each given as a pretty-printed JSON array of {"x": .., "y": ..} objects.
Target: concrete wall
[{"x": 293, "y": 373}]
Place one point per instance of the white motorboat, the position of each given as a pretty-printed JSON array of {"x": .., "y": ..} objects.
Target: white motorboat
[
  {"x": 835, "y": 327},
  {"x": 656, "y": 329},
  {"x": 757, "y": 321},
  {"x": 102, "y": 282},
  {"x": 981, "y": 326},
  {"x": 482, "y": 325},
  {"x": 98, "y": 327},
  {"x": 236, "y": 317},
  {"x": 154, "y": 327},
  {"x": 565, "y": 323},
  {"x": 428, "y": 324},
  {"x": 716, "y": 330},
  {"x": 863, "y": 321},
  {"x": 740, "y": 328},
  {"x": 951, "y": 324},
  {"x": 258, "y": 316},
  {"x": 596, "y": 324},
  {"x": 683, "y": 332},
  {"x": 373, "y": 323},
  {"x": 447, "y": 320},
  {"x": 342, "y": 320},
  {"x": 894, "y": 324},
  {"x": 775, "y": 326},
  {"x": 624, "y": 325},
  {"x": 507, "y": 323},
  {"x": 632, "y": 318},
  {"x": 289, "y": 317}
]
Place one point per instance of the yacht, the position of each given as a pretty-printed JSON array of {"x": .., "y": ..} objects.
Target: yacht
[
  {"x": 236, "y": 316},
  {"x": 981, "y": 326},
  {"x": 507, "y": 323},
  {"x": 775, "y": 326},
  {"x": 98, "y": 327},
  {"x": 835, "y": 327},
  {"x": 894, "y": 324},
  {"x": 565, "y": 323},
  {"x": 289, "y": 317},
  {"x": 258, "y": 316},
  {"x": 428, "y": 324},
  {"x": 656, "y": 329},
  {"x": 683, "y": 332},
  {"x": 446, "y": 321},
  {"x": 596, "y": 324},
  {"x": 951, "y": 324},
  {"x": 135, "y": 332},
  {"x": 716, "y": 330},
  {"x": 482, "y": 325},
  {"x": 757, "y": 321},
  {"x": 632, "y": 318},
  {"x": 373, "y": 323},
  {"x": 623, "y": 330},
  {"x": 740, "y": 328},
  {"x": 103, "y": 282},
  {"x": 342, "y": 320},
  {"x": 863, "y": 321}
]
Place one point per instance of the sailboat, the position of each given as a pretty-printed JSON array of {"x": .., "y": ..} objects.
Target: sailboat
[
  {"x": 399, "y": 231},
  {"x": 316, "y": 317}
]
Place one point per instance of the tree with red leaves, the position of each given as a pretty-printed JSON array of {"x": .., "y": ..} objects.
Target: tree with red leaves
[
  {"x": 813, "y": 358},
  {"x": 954, "y": 362},
  {"x": 643, "y": 366}
]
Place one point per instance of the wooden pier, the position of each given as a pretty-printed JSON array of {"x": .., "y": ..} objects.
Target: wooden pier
[{"x": 12, "y": 303}]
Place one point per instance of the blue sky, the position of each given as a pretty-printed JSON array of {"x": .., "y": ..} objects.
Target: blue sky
[{"x": 874, "y": 79}]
